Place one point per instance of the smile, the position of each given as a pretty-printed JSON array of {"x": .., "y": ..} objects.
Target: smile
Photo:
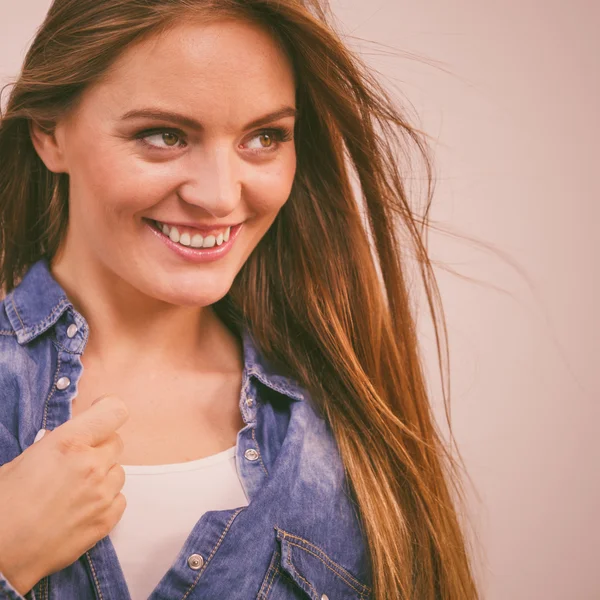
[
  {"x": 187, "y": 236},
  {"x": 187, "y": 243}
]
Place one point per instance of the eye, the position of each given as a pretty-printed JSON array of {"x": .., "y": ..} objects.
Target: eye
[
  {"x": 269, "y": 140},
  {"x": 162, "y": 139}
]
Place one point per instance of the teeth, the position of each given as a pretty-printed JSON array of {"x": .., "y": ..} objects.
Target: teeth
[
  {"x": 209, "y": 241},
  {"x": 195, "y": 241},
  {"x": 174, "y": 235}
]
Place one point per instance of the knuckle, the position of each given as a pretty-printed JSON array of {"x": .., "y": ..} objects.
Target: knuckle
[
  {"x": 89, "y": 467},
  {"x": 110, "y": 517},
  {"x": 102, "y": 528},
  {"x": 120, "y": 504},
  {"x": 101, "y": 497},
  {"x": 117, "y": 477},
  {"x": 122, "y": 476},
  {"x": 69, "y": 444}
]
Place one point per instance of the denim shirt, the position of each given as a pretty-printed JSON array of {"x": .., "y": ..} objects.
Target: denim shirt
[{"x": 300, "y": 535}]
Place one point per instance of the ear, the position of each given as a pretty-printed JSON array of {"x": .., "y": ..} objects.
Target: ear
[{"x": 48, "y": 146}]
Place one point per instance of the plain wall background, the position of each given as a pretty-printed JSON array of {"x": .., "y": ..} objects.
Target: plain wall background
[{"x": 509, "y": 95}]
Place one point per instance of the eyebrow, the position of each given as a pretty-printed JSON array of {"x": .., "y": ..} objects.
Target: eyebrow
[{"x": 152, "y": 113}]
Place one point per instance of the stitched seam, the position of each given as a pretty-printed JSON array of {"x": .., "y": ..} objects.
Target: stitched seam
[
  {"x": 340, "y": 575},
  {"x": 273, "y": 580},
  {"x": 275, "y": 386},
  {"x": 262, "y": 593},
  {"x": 287, "y": 576},
  {"x": 42, "y": 325},
  {"x": 49, "y": 318},
  {"x": 94, "y": 574},
  {"x": 7, "y": 332},
  {"x": 343, "y": 572},
  {"x": 193, "y": 585},
  {"x": 325, "y": 557},
  {"x": 12, "y": 300},
  {"x": 64, "y": 348},
  {"x": 259, "y": 453},
  {"x": 289, "y": 553},
  {"x": 276, "y": 574},
  {"x": 51, "y": 394},
  {"x": 216, "y": 547}
]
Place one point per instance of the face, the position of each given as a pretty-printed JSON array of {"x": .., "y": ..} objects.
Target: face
[{"x": 187, "y": 134}]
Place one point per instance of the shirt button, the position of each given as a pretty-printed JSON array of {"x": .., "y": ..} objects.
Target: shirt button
[
  {"x": 71, "y": 330},
  {"x": 63, "y": 383},
  {"x": 324, "y": 597},
  {"x": 195, "y": 561},
  {"x": 251, "y": 454},
  {"x": 249, "y": 401}
]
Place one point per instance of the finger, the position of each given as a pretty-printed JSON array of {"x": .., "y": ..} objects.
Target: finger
[
  {"x": 110, "y": 450},
  {"x": 115, "y": 479},
  {"x": 97, "y": 423}
]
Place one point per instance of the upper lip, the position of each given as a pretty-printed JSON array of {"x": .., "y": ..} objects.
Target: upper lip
[{"x": 199, "y": 226}]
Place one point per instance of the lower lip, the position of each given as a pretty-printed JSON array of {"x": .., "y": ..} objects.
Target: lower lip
[{"x": 196, "y": 255}]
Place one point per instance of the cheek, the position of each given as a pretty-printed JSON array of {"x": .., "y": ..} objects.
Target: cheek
[
  {"x": 111, "y": 179},
  {"x": 269, "y": 188}
]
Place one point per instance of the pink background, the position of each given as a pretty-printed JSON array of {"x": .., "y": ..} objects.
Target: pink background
[{"x": 509, "y": 94}]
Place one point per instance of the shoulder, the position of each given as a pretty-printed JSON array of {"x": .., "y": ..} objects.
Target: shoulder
[
  {"x": 10, "y": 357},
  {"x": 7, "y": 331},
  {"x": 21, "y": 387},
  {"x": 16, "y": 360}
]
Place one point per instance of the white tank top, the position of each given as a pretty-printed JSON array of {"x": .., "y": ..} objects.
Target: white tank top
[{"x": 164, "y": 502}]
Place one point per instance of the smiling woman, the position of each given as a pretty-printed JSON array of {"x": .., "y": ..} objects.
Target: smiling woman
[{"x": 183, "y": 260}]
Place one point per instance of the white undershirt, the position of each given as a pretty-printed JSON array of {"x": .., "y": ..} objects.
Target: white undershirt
[{"x": 164, "y": 502}]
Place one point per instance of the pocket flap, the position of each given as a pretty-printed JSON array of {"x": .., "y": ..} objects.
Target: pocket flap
[{"x": 315, "y": 572}]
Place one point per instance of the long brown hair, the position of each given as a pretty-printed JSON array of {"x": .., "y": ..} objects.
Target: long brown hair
[{"x": 325, "y": 293}]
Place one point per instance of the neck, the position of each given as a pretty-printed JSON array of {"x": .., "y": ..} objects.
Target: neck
[{"x": 128, "y": 327}]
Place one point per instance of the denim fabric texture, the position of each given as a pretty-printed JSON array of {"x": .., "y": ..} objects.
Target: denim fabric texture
[{"x": 300, "y": 536}]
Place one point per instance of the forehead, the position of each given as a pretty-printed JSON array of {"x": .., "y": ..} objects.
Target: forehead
[{"x": 228, "y": 69}]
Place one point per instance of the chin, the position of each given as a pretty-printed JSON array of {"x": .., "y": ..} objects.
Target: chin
[{"x": 196, "y": 293}]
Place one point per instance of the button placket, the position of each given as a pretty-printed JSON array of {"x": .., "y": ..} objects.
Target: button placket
[
  {"x": 251, "y": 454},
  {"x": 195, "y": 562},
  {"x": 63, "y": 383}
]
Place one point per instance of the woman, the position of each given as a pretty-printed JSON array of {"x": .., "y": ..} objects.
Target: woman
[{"x": 184, "y": 261}]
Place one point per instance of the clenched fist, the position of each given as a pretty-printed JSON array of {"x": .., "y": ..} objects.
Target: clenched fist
[{"x": 62, "y": 494}]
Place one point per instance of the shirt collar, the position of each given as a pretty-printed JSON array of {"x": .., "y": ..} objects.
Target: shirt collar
[
  {"x": 260, "y": 368},
  {"x": 38, "y": 302}
]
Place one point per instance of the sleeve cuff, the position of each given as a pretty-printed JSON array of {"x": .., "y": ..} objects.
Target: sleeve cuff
[{"x": 8, "y": 592}]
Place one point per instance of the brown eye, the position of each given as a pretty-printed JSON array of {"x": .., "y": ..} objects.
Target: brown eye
[
  {"x": 162, "y": 139},
  {"x": 170, "y": 139},
  {"x": 269, "y": 139}
]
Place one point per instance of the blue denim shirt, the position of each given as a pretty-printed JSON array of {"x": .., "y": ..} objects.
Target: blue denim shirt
[{"x": 299, "y": 537}]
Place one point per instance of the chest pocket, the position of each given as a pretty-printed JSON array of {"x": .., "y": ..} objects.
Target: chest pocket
[{"x": 301, "y": 570}]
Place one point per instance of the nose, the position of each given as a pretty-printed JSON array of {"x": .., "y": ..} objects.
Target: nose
[{"x": 211, "y": 181}]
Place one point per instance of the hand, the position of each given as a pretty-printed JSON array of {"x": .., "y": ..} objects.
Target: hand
[{"x": 62, "y": 494}]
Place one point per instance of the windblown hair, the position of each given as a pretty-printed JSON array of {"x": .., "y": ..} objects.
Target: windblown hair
[{"x": 325, "y": 293}]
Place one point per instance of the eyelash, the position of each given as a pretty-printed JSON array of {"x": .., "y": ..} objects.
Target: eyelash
[{"x": 281, "y": 135}]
